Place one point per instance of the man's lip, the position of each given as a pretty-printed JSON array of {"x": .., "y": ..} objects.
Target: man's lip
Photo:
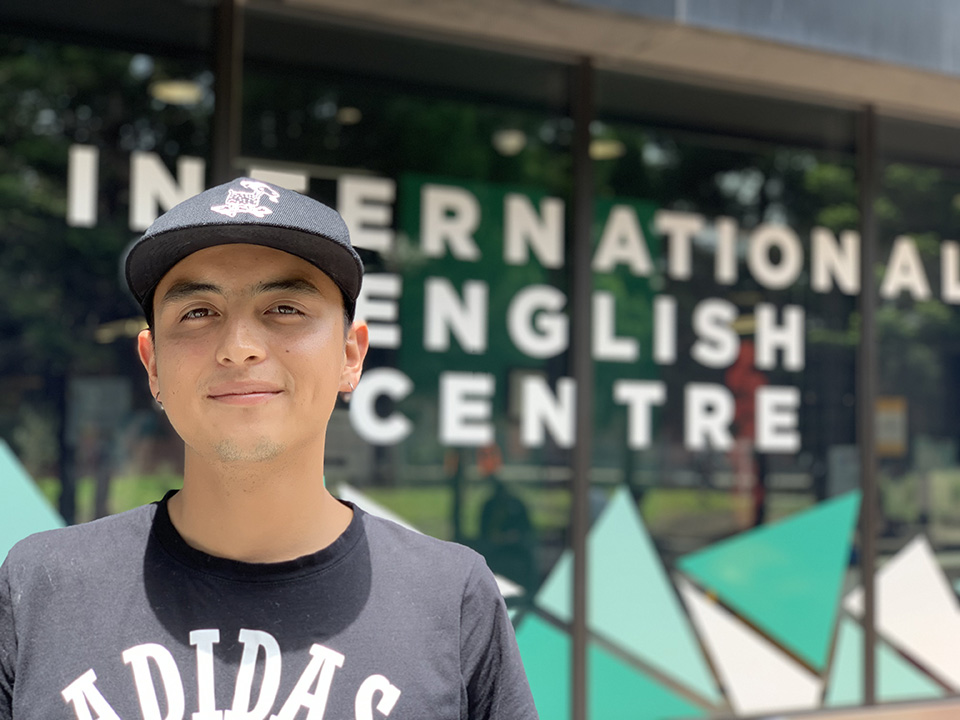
[{"x": 242, "y": 389}]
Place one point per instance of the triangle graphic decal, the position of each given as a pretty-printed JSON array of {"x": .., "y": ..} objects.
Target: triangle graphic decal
[
  {"x": 785, "y": 577},
  {"x": 24, "y": 509},
  {"x": 897, "y": 679},
  {"x": 917, "y": 610},
  {"x": 619, "y": 690},
  {"x": 631, "y": 603},
  {"x": 556, "y": 594},
  {"x": 545, "y": 651},
  {"x": 759, "y": 678}
]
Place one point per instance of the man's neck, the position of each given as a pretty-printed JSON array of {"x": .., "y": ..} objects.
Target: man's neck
[{"x": 257, "y": 512}]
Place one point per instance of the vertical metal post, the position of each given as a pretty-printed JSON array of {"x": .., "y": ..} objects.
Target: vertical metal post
[
  {"x": 867, "y": 388},
  {"x": 68, "y": 476},
  {"x": 228, "y": 69},
  {"x": 581, "y": 360}
]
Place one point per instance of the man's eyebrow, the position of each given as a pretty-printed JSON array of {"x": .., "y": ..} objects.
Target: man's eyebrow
[
  {"x": 186, "y": 288},
  {"x": 295, "y": 285}
]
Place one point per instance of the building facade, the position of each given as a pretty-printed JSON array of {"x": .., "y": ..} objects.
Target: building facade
[{"x": 662, "y": 296}]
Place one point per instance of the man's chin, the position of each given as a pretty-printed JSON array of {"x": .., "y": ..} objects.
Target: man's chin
[{"x": 262, "y": 450}]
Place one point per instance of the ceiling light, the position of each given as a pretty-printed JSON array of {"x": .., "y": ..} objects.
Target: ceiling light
[
  {"x": 606, "y": 149},
  {"x": 349, "y": 115},
  {"x": 177, "y": 92},
  {"x": 509, "y": 142}
]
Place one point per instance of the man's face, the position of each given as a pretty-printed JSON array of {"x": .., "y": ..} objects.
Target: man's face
[{"x": 249, "y": 352}]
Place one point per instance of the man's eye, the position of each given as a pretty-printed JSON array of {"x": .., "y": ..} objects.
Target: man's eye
[
  {"x": 196, "y": 313},
  {"x": 286, "y": 310}
]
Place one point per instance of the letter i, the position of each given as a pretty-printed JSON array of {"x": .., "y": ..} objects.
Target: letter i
[
  {"x": 204, "y": 640},
  {"x": 82, "y": 182}
]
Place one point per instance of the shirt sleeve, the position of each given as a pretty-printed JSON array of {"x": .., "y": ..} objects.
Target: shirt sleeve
[
  {"x": 494, "y": 680},
  {"x": 8, "y": 645}
]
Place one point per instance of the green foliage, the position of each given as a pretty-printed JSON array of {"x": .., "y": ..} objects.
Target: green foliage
[
  {"x": 910, "y": 179},
  {"x": 58, "y": 283},
  {"x": 842, "y": 216},
  {"x": 835, "y": 184},
  {"x": 35, "y": 440},
  {"x": 429, "y": 508},
  {"x": 126, "y": 492}
]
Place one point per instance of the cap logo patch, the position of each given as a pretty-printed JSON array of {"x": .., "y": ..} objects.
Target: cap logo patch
[{"x": 239, "y": 201}]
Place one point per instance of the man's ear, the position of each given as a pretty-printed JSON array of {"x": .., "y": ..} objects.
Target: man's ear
[
  {"x": 354, "y": 351},
  {"x": 148, "y": 356}
]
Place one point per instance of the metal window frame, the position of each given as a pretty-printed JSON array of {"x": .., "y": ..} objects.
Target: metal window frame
[
  {"x": 867, "y": 165},
  {"x": 227, "y": 44},
  {"x": 581, "y": 290}
]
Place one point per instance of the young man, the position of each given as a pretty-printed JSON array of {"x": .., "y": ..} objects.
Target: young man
[{"x": 252, "y": 592}]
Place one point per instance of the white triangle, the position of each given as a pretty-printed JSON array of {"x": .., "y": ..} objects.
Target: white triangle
[
  {"x": 351, "y": 494},
  {"x": 758, "y": 677},
  {"x": 917, "y": 610}
]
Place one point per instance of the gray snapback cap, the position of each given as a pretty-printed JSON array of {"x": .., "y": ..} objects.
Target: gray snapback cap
[{"x": 245, "y": 211}]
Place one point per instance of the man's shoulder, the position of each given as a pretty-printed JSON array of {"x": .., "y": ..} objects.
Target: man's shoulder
[
  {"x": 104, "y": 540},
  {"x": 408, "y": 538},
  {"x": 412, "y": 551}
]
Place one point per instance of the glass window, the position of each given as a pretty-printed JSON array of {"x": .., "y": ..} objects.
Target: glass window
[
  {"x": 725, "y": 334},
  {"x": 725, "y": 330},
  {"x": 918, "y": 347},
  {"x": 453, "y": 167},
  {"x": 90, "y": 138}
]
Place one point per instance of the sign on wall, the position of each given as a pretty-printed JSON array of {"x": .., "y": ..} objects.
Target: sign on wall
[{"x": 471, "y": 289}]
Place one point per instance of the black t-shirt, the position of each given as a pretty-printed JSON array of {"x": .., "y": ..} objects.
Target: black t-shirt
[{"x": 120, "y": 618}]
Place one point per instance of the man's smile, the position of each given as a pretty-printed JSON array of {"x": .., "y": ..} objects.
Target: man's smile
[{"x": 244, "y": 392}]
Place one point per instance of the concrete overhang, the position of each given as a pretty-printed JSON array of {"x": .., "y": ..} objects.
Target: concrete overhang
[{"x": 657, "y": 49}]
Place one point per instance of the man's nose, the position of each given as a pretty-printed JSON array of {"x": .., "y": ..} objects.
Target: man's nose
[{"x": 241, "y": 342}]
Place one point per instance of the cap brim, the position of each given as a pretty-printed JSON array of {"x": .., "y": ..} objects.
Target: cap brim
[{"x": 151, "y": 258}]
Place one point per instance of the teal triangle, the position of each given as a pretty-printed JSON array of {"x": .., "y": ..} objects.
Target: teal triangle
[
  {"x": 617, "y": 690},
  {"x": 24, "y": 509},
  {"x": 556, "y": 594},
  {"x": 631, "y": 602},
  {"x": 897, "y": 679},
  {"x": 785, "y": 577},
  {"x": 545, "y": 651}
]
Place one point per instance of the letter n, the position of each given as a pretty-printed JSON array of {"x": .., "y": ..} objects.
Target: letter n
[{"x": 152, "y": 187}]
